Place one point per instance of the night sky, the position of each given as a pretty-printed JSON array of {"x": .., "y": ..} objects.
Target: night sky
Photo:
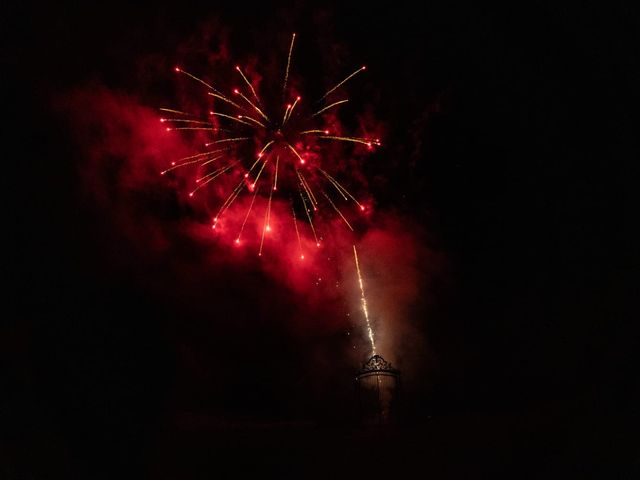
[{"x": 505, "y": 231}]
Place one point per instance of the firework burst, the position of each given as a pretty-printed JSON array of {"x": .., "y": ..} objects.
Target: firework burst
[{"x": 269, "y": 148}]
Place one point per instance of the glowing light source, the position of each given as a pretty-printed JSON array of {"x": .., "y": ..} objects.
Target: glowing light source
[
  {"x": 363, "y": 301},
  {"x": 289, "y": 134}
]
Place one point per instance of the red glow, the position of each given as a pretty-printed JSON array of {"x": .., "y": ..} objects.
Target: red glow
[
  {"x": 193, "y": 253},
  {"x": 295, "y": 136}
]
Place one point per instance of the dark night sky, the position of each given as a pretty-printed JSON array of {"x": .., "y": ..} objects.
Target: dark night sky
[{"x": 518, "y": 129}]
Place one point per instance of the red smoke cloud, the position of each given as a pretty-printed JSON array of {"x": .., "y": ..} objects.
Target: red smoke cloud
[{"x": 125, "y": 147}]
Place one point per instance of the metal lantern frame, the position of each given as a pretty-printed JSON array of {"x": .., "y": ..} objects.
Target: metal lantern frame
[{"x": 379, "y": 368}]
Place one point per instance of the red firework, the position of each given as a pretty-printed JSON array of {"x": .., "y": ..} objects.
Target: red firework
[{"x": 269, "y": 146}]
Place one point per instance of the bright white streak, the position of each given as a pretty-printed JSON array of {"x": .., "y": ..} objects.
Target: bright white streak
[{"x": 364, "y": 303}]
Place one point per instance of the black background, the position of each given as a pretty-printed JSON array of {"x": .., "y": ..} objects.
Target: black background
[{"x": 527, "y": 180}]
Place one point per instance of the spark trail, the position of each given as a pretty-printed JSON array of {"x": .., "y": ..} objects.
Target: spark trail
[
  {"x": 286, "y": 137},
  {"x": 363, "y": 301}
]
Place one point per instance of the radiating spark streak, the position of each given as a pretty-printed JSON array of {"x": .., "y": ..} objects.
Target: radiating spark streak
[
  {"x": 265, "y": 147},
  {"x": 312, "y": 197},
  {"x": 267, "y": 220},
  {"x": 184, "y": 120},
  {"x": 209, "y": 126},
  {"x": 233, "y": 199},
  {"x": 258, "y": 158},
  {"x": 175, "y": 111},
  {"x": 210, "y": 87},
  {"x": 255, "y": 107},
  {"x": 306, "y": 210},
  {"x": 210, "y": 129},
  {"x": 305, "y": 188},
  {"x": 337, "y": 210},
  {"x": 305, "y": 132},
  {"x": 295, "y": 224},
  {"x": 230, "y": 117},
  {"x": 253, "y": 120},
  {"x": 286, "y": 73},
  {"x": 196, "y": 158},
  {"x": 224, "y": 169},
  {"x": 284, "y": 117},
  {"x": 246, "y": 175},
  {"x": 211, "y": 160},
  {"x": 363, "y": 301},
  {"x": 343, "y": 82},
  {"x": 192, "y": 192},
  {"x": 328, "y": 107},
  {"x": 275, "y": 181},
  {"x": 203, "y": 154},
  {"x": 340, "y": 188},
  {"x": 363, "y": 141},
  {"x": 223, "y": 98},
  {"x": 288, "y": 115},
  {"x": 235, "y": 191},
  {"x": 244, "y": 222},
  {"x": 224, "y": 140},
  {"x": 258, "y": 130},
  {"x": 336, "y": 187},
  {"x": 255, "y": 181},
  {"x": 191, "y": 162},
  {"x": 230, "y": 199},
  {"x": 234, "y": 194},
  {"x": 269, "y": 210},
  {"x": 296, "y": 152},
  {"x": 211, "y": 177},
  {"x": 248, "y": 83}
]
